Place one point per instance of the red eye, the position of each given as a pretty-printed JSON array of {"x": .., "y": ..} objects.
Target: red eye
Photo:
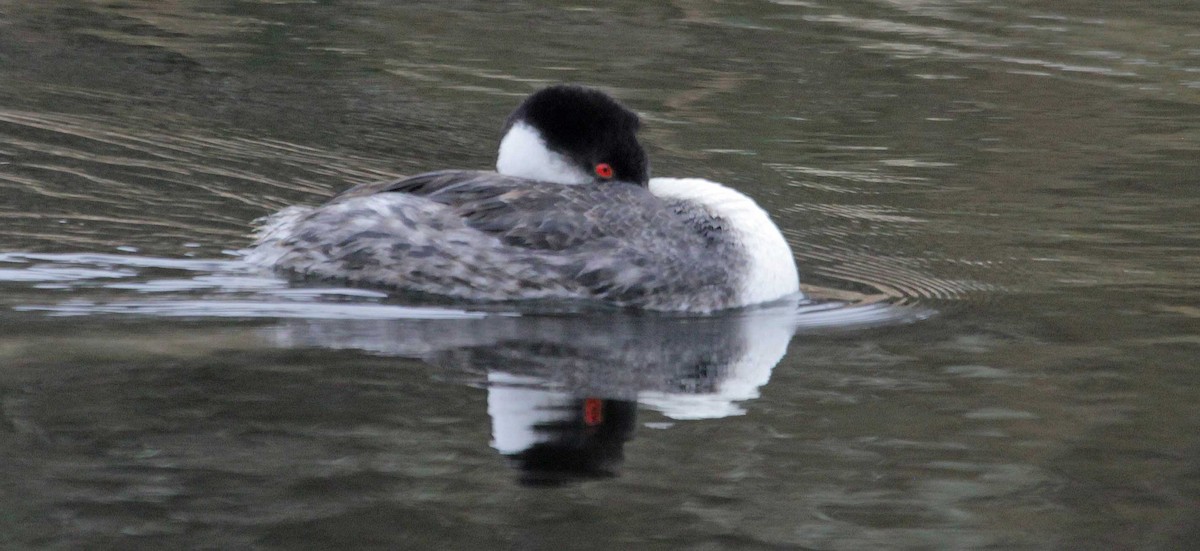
[{"x": 604, "y": 170}]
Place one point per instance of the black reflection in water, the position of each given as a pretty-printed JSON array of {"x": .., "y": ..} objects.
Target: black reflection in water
[
  {"x": 553, "y": 438},
  {"x": 563, "y": 391}
]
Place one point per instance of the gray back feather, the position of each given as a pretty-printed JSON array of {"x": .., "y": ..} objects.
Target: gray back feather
[{"x": 482, "y": 235}]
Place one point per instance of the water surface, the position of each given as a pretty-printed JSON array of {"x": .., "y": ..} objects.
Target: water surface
[{"x": 995, "y": 203}]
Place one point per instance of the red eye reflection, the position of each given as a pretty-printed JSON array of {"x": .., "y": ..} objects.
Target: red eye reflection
[
  {"x": 593, "y": 411},
  {"x": 604, "y": 170}
]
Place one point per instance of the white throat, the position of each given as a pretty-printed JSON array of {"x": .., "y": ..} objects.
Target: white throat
[
  {"x": 523, "y": 153},
  {"x": 771, "y": 269}
]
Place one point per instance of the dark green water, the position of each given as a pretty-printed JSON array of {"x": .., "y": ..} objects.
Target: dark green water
[{"x": 1026, "y": 170}]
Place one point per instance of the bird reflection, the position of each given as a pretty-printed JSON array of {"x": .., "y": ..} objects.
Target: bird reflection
[
  {"x": 553, "y": 437},
  {"x": 564, "y": 389}
]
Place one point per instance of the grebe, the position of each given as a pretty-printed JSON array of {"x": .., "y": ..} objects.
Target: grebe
[{"x": 571, "y": 213}]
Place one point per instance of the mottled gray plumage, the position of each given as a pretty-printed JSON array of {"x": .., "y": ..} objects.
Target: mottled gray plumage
[{"x": 483, "y": 235}]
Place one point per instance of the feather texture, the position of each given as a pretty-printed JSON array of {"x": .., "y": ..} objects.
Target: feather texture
[{"x": 483, "y": 235}]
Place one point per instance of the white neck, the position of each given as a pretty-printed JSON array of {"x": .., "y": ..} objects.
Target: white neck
[
  {"x": 771, "y": 269},
  {"x": 523, "y": 153}
]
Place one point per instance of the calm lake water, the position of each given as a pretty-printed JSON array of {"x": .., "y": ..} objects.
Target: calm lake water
[{"x": 998, "y": 201}]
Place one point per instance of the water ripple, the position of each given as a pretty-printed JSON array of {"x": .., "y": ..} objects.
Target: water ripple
[{"x": 220, "y": 288}]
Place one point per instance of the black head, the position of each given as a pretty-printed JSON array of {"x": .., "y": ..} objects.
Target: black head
[{"x": 589, "y": 129}]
